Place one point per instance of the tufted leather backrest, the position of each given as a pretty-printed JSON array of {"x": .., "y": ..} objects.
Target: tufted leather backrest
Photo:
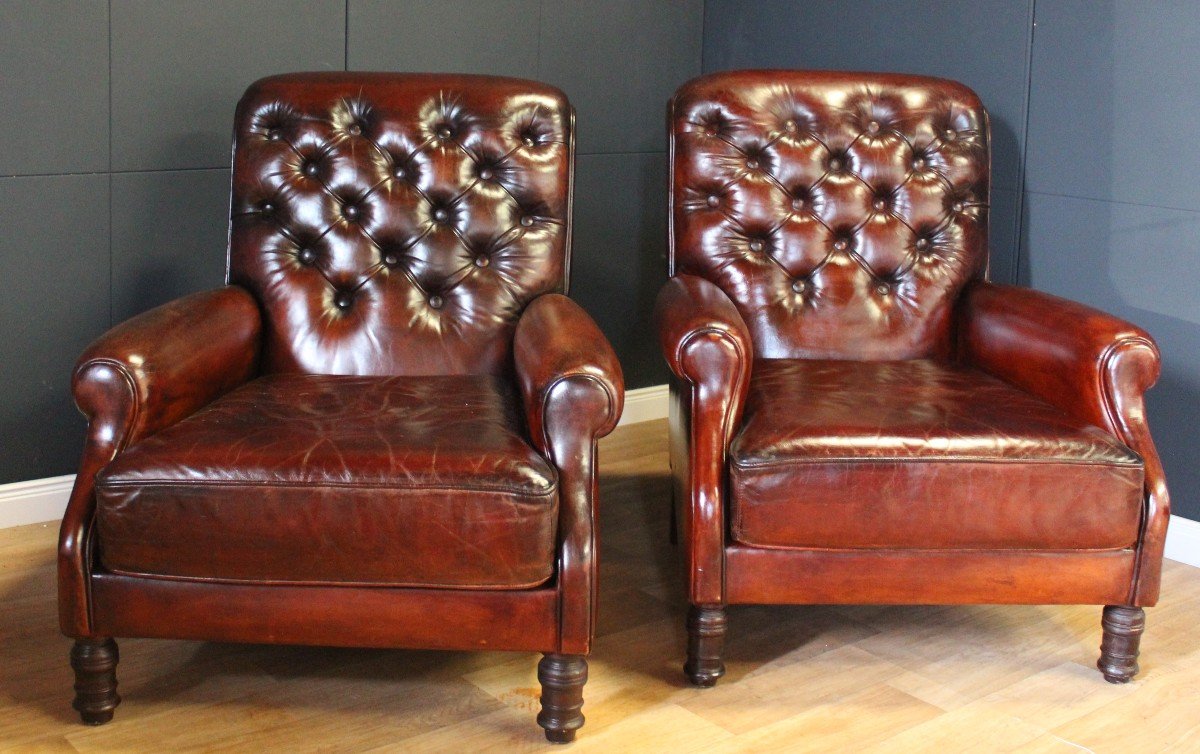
[
  {"x": 395, "y": 223},
  {"x": 841, "y": 212}
]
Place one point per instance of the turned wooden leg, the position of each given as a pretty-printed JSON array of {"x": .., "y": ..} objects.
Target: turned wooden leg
[
  {"x": 1123, "y": 628},
  {"x": 95, "y": 665},
  {"x": 706, "y": 643},
  {"x": 562, "y": 678}
]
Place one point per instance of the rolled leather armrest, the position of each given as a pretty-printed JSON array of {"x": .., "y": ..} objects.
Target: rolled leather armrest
[
  {"x": 138, "y": 378},
  {"x": 1084, "y": 361},
  {"x": 707, "y": 346},
  {"x": 1092, "y": 365},
  {"x": 153, "y": 370},
  {"x": 559, "y": 352},
  {"x": 573, "y": 392}
]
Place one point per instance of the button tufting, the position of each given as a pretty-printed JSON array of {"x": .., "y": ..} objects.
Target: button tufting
[
  {"x": 482, "y": 260},
  {"x": 880, "y": 205},
  {"x": 922, "y": 244},
  {"x": 527, "y": 220},
  {"x": 883, "y": 289},
  {"x": 873, "y": 127},
  {"x": 713, "y": 200},
  {"x": 274, "y": 135},
  {"x": 343, "y": 300},
  {"x": 267, "y": 207},
  {"x": 798, "y": 286},
  {"x": 752, "y": 164},
  {"x": 355, "y": 129},
  {"x": 957, "y": 206},
  {"x": 949, "y": 134},
  {"x": 441, "y": 214},
  {"x": 310, "y": 168},
  {"x": 789, "y": 126},
  {"x": 444, "y": 132},
  {"x": 400, "y": 172},
  {"x": 797, "y": 204},
  {"x": 391, "y": 260},
  {"x": 756, "y": 245},
  {"x": 919, "y": 163},
  {"x": 528, "y": 141},
  {"x": 435, "y": 302},
  {"x": 485, "y": 174},
  {"x": 307, "y": 256},
  {"x": 835, "y": 164},
  {"x": 350, "y": 211},
  {"x": 841, "y": 244}
]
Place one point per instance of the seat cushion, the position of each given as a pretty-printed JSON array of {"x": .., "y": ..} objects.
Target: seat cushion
[
  {"x": 920, "y": 454},
  {"x": 413, "y": 481}
]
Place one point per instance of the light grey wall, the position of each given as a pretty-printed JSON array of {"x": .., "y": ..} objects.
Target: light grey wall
[
  {"x": 1095, "y": 106},
  {"x": 114, "y": 156}
]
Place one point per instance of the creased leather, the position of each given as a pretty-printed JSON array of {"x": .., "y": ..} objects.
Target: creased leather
[
  {"x": 1092, "y": 365},
  {"x": 926, "y": 455},
  {"x": 417, "y": 481},
  {"x": 573, "y": 393}
]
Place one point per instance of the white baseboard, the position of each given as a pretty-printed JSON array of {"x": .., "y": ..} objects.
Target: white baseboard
[
  {"x": 34, "y": 501},
  {"x": 644, "y": 404},
  {"x": 1183, "y": 541}
]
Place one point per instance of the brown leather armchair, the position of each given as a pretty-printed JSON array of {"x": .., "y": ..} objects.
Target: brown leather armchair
[
  {"x": 857, "y": 415},
  {"x": 382, "y": 432}
]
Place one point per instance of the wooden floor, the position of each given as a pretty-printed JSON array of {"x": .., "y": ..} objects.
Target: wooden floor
[{"x": 821, "y": 679}]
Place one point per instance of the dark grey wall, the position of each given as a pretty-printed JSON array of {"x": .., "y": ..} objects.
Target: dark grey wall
[
  {"x": 114, "y": 156},
  {"x": 1094, "y": 115}
]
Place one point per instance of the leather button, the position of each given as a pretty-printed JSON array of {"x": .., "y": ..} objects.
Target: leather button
[
  {"x": 949, "y": 134},
  {"x": 527, "y": 220},
  {"x": 391, "y": 260},
  {"x": 274, "y": 135},
  {"x": 919, "y": 164},
  {"x": 485, "y": 174},
  {"x": 835, "y": 164},
  {"x": 343, "y": 300},
  {"x": 528, "y": 141},
  {"x": 713, "y": 200},
  {"x": 307, "y": 256},
  {"x": 880, "y": 205},
  {"x": 350, "y": 211},
  {"x": 310, "y": 169},
  {"x": 355, "y": 129},
  {"x": 789, "y": 126},
  {"x": 482, "y": 260},
  {"x": 267, "y": 208},
  {"x": 441, "y": 215},
  {"x": 752, "y": 164},
  {"x": 883, "y": 289},
  {"x": 841, "y": 244},
  {"x": 873, "y": 127},
  {"x": 799, "y": 286},
  {"x": 922, "y": 244},
  {"x": 957, "y": 206},
  {"x": 756, "y": 245},
  {"x": 435, "y": 302},
  {"x": 444, "y": 132},
  {"x": 797, "y": 204}
]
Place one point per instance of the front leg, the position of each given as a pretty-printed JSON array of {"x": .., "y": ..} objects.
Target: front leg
[
  {"x": 706, "y": 644},
  {"x": 562, "y": 678},
  {"x": 1123, "y": 627},
  {"x": 95, "y": 665}
]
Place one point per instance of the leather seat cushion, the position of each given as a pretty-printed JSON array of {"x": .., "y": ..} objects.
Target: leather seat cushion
[
  {"x": 921, "y": 454},
  {"x": 403, "y": 481}
]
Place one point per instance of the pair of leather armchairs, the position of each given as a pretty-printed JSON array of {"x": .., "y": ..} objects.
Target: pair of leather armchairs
[{"x": 382, "y": 432}]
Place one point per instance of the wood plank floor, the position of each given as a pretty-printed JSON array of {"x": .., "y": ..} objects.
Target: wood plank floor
[{"x": 861, "y": 679}]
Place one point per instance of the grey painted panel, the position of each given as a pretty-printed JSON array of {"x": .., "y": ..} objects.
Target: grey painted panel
[
  {"x": 498, "y": 37},
  {"x": 168, "y": 236},
  {"x": 1113, "y": 105},
  {"x": 1002, "y": 233},
  {"x": 1138, "y": 263},
  {"x": 619, "y": 254},
  {"x": 54, "y": 262},
  {"x": 54, "y": 87},
  {"x": 619, "y": 61},
  {"x": 984, "y": 44},
  {"x": 178, "y": 69}
]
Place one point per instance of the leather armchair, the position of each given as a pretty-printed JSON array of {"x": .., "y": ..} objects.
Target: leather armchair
[
  {"x": 382, "y": 431},
  {"x": 857, "y": 415}
]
